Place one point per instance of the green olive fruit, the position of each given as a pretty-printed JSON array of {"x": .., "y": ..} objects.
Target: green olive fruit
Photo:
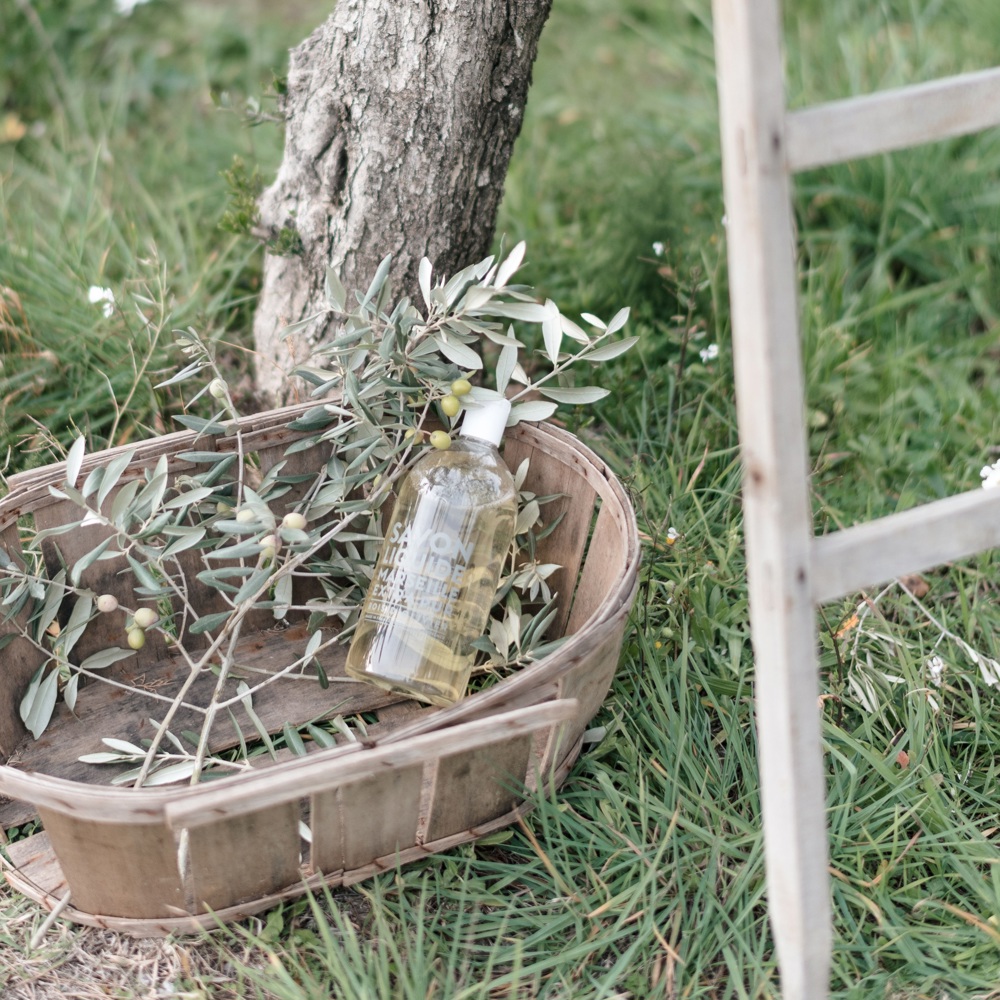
[
  {"x": 294, "y": 520},
  {"x": 144, "y": 617},
  {"x": 136, "y": 638},
  {"x": 461, "y": 387},
  {"x": 107, "y": 603},
  {"x": 217, "y": 388},
  {"x": 441, "y": 440},
  {"x": 246, "y": 515},
  {"x": 451, "y": 405}
]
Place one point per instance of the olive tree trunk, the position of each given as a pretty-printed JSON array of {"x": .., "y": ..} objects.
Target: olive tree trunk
[{"x": 400, "y": 121}]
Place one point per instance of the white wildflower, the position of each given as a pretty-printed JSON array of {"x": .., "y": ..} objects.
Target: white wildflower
[
  {"x": 935, "y": 670},
  {"x": 105, "y": 296},
  {"x": 125, "y": 7},
  {"x": 658, "y": 248},
  {"x": 990, "y": 475},
  {"x": 709, "y": 353},
  {"x": 672, "y": 535}
]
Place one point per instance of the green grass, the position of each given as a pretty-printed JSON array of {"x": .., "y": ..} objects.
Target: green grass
[{"x": 644, "y": 877}]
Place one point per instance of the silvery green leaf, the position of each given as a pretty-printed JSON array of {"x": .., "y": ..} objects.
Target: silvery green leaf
[
  {"x": 480, "y": 394},
  {"x": 282, "y": 596},
  {"x": 98, "y": 661},
  {"x": 594, "y": 321},
  {"x": 619, "y": 319},
  {"x": 552, "y": 331},
  {"x": 460, "y": 354},
  {"x": 503, "y": 339},
  {"x": 315, "y": 641},
  {"x": 519, "y": 375},
  {"x": 424, "y": 279},
  {"x": 244, "y": 691},
  {"x": 199, "y": 424},
  {"x": 183, "y": 374},
  {"x": 189, "y": 497},
  {"x": 483, "y": 267},
  {"x": 93, "y": 481},
  {"x": 253, "y": 585},
  {"x": 477, "y": 297},
  {"x": 320, "y": 737},
  {"x": 101, "y": 757},
  {"x": 39, "y": 701},
  {"x": 297, "y": 327},
  {"x": 535, "y": 409},
  {"x": 126, "y": 777},
  {"x": 521, "y": 474},
  {"x": 54, "y": 594},
  {"x": 336, "y": 294},
  {"x": 70, "y": 692},
  {"x": 573, "y": 331},
  {"x": 123, "y": 746},
  {"x": 84, "y": 562},
  {"x": 208, "y": 622},
  {"x": 506, "y": 364},
  {"x": 202, "y": 457},
  {"x": 527, "y": 517},
  {"x": 580, "y": 395},
  {"x": 610, "y": 351},
  {"x": 152, "y": 493},
  {"x": 111, "y": 476},
  {"x": 510, "y": 265},
  {"x": 180, "y": 771},
  {"x": 144, "y": 576},
  {"x": 530, "y": 312},
  {"x": 381, "y": 273},
  {"x": 123, "y": 502},
  {"x": 191, "y": 538},
  {"x": 293, "y": 741},
  {"x": 78, "y": 619},
  {"x": 74, "y": 459},
  {"x": 59, "y": 529}
]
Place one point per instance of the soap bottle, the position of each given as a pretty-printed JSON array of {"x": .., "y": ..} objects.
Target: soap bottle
[{"x": 439, "y": 569}]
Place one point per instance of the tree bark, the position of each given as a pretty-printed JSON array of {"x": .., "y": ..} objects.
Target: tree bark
[{"x": 401, "y": 118}]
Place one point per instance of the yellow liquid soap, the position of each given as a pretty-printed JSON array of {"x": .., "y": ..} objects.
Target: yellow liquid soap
[{"x": 437, "y": 575}]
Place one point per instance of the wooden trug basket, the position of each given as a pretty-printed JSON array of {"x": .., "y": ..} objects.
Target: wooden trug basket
[{"x": 173, "y": 859}]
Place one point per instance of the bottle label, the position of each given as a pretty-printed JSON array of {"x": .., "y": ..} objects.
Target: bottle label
[{"x": 419, "y": 577}]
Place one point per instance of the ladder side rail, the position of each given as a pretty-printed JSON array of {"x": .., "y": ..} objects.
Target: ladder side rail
[{"x": 778, "y": 519}]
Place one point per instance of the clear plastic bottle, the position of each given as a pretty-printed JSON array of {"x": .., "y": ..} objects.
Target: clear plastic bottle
[{"x": 437, "y": 575}]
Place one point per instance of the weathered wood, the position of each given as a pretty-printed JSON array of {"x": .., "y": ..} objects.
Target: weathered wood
[
  {"x": 573, "y": 509},
  {"x": 893, "y": 119},
  {"x": 606, "y": 549},
  {"x": 360, "y": 820},
  {"x": 369, "y": 803},
  {"x": 778, "y": 521},
  {"x": 120, "y": 869},
  {"x": 907, "y": 542},
  {"x": 471, "y": 788},
  {"x": 241, "y": 859}
]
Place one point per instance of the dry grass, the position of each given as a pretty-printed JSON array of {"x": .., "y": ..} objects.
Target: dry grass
[{"x": 84, "y": 963}]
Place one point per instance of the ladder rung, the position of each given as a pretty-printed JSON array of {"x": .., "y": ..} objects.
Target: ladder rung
[
  {"x": 909, "y": 542},
  {"x": 892, "y": 119}
]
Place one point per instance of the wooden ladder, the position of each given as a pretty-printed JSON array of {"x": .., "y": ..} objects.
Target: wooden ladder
[{"x": 791, "y": 571}]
